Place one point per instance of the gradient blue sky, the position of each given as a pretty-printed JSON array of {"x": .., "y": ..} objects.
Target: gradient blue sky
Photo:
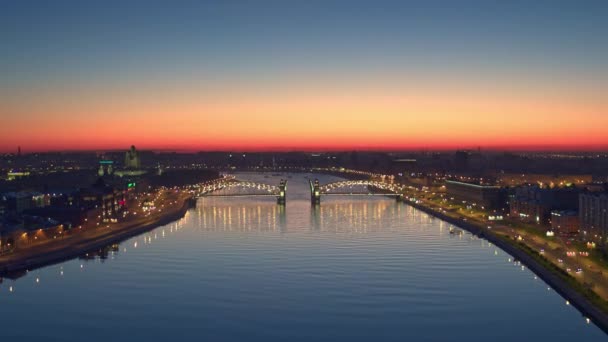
[{"x": 62, "y": 60}]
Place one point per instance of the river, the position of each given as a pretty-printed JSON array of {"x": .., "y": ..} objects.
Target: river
[{"x": 247, "y": 269}]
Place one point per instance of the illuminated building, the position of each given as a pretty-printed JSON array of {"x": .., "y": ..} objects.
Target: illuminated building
[
  {"x": 132, "y": 165},
  {"x": 565, "y": 222},
  {"x": 534, "y": 204},
  {"x": 488, "y": 196},
  {"x": 12, "y": 175},
  {"x": 17, "y": 202},
  {"x": 593, "y": 211},
  {"x": 550, "y": 180},
  {"x": 100, "y": 195},
  {"x": 132, "y": 159},
  {"x": 105, "y": 168}
]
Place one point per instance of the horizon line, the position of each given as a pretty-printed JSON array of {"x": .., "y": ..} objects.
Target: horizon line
[{"x": 495, "y": 149}]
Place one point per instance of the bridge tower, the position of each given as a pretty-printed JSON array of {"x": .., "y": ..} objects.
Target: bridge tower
[
  {"x": 315, "y": 191},
  {"x": 282, "y": 197}
]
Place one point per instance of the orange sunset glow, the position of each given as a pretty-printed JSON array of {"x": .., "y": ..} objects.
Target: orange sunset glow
[{"x": 307, "y": 119}]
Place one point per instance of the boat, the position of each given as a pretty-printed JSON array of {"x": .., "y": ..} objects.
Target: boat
[{"x": 455, "y": 231}]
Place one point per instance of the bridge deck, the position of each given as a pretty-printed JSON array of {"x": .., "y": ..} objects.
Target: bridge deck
[
  {"x": 240, "y": 195},
  {"x": 356, "y": 194}
]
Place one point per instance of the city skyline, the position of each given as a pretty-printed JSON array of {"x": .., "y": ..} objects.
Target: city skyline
[{"x": 316, "y": 76}]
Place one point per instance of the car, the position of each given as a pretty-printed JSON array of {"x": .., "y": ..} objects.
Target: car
[{"x": 560, "y": 261}]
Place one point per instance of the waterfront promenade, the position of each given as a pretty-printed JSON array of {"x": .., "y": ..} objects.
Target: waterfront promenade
[{"x": 172, "y": 205}]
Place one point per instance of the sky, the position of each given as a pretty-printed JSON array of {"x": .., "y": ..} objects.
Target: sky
[{"x": 303, "y": 75}]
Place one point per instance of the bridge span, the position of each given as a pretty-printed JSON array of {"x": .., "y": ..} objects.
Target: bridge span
[
  {"x": 256, "y": 189},
  {"x": 374, "y": 188}
]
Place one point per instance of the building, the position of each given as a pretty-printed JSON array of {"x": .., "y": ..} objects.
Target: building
[
  {"x": 132, "y": 160},
  {"x": 565, "y": 222},
  {"x": 550, "y": 180},
  {"x": 17, "y": 202},
  {"x": 111, "y": 200},
  {"x": 599, "y": 178},
  {"x": 461, "y": 160},
  {"x": 70, "y": 216},
  {"x": 534, "y": 204},
  {"x": 105, "y": 168},
  {"x": 593, "y": 211},
  {"x": 13, "y": 175},
  {"x": 487, "y": 196},
  {"x": 132, "y": 167}
]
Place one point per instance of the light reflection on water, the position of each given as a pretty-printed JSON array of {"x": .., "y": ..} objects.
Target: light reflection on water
[{"x": 248, "y": 269}]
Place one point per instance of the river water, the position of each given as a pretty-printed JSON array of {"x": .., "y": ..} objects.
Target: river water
[{"x": 246, "y": 269}]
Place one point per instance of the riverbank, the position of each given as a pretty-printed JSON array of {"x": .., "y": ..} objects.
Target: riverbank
[
  {"x": 585, "y": 305},
  {"x": 76, "y": 245}
]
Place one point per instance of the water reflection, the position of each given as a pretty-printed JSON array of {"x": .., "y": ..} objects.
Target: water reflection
[
  {"x": 101, "y": 253},
  {"x": 337, "y": 215},
  {"x": 359, "y": 216},
  {"x": 231, "y": 215}
]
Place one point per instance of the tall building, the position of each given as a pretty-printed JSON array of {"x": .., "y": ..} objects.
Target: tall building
[
  {"x": 132, "y": 167},
  {"x": 593, "y": 211},
  {"x": 132, "y": 159},
  {"x": 534, "y": 204}
]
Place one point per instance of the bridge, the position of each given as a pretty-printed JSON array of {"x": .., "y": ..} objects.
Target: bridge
[
  {"x": 210, "y": 189},
  {"x": 374, "y": 188}
]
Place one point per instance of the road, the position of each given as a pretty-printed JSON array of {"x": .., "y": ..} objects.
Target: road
[
  {"x": 554, "y": 249},
  {"x": 167, "y": 203}
]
